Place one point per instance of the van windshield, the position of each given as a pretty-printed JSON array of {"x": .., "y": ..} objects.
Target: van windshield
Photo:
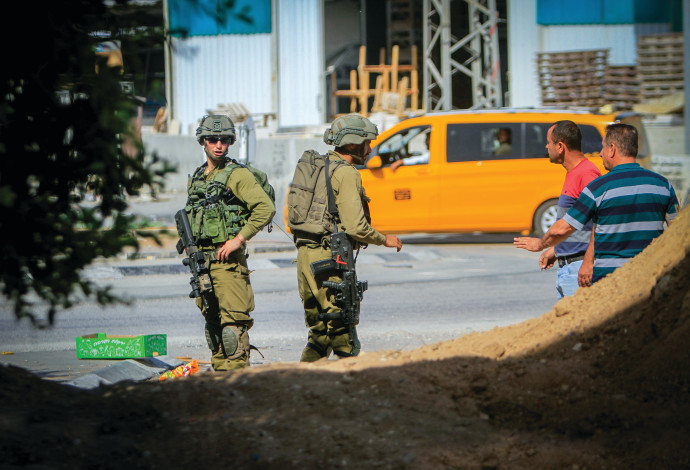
[
  {"x": 399, "y": 141},
  {"x": 404, "y": 146}
]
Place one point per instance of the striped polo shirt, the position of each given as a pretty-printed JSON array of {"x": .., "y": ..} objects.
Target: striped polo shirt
[
  {"x": 575, "y": 181},
  {"x": 628, "y": 205}
]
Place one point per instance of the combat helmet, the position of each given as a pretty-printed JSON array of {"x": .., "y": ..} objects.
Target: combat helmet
[
  {"x": 350, "y": 129},
  {"x": 215, "y": 125}
]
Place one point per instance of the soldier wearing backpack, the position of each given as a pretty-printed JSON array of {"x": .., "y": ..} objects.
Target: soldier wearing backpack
[
  {"x": 226, "y": 207},
  {"x": 312, "y": 223}
]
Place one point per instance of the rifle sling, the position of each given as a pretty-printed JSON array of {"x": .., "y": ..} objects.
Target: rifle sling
[{"x": 332, "y": 208}]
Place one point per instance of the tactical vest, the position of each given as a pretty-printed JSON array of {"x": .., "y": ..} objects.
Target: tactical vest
[
  {"x": 307, "y": 199},
  {"x": 214, "y": 212}
]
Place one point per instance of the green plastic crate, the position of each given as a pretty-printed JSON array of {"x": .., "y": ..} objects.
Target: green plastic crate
[{"x": 102, "y": 346}]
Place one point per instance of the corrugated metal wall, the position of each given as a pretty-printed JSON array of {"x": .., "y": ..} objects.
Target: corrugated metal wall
[
  {"x": 209, "y": 71},
  {"x": 300, "y": 62},
  {"x": 212, "y": 70},
  {"x": 619, "y": 39}
]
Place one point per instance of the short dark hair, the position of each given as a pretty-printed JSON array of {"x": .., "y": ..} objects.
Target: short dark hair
[
  {"x": 624, "y": 136},
  {"x": 569, "y": 133}
]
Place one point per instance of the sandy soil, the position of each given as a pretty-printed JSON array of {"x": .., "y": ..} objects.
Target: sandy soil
[{"x": 600, "y": 381}]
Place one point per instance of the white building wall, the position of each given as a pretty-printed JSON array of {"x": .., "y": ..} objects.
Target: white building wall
[
  {"x": 300, "y": 62},
  {"x": 619, "y": 39},
  {"x": 523, "y": 45},
  {"x": 209, "y": 71}
]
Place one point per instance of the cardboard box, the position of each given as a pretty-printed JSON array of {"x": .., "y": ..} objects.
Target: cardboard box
[{"x": 102, "y": 346}]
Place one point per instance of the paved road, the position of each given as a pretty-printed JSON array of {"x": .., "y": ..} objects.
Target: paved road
[
  {"x": 439, "y": 287},
  {"x": 425, "y": 294}
]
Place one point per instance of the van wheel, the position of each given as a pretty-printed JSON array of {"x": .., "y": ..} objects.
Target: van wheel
[{"x": 545, "y": 216}]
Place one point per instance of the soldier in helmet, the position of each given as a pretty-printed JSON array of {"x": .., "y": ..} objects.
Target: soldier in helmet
[
  {"x": 351, "y": 135},
  {"x": 226, "y": 207}
]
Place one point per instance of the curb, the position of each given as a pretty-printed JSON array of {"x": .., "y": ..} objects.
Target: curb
[
  {"x": 173, "y": 265},
  {"x": 167, "y": 249}
]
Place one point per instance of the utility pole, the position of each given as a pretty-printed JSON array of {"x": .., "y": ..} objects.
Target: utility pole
[
  {"x": 483, "y": 66},
  {"x": 686, "y": 71}
]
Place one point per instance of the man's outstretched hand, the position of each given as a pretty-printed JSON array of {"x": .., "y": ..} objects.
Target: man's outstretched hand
[{"x": 528, "y": 243}]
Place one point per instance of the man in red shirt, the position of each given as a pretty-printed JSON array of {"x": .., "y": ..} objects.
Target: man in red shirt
[{"x": 564, "y": 146}]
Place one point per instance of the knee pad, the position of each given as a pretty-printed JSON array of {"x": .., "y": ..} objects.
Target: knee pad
[
  {"x": 212, "y": 337},
  {"x": 235, "y": 341}
]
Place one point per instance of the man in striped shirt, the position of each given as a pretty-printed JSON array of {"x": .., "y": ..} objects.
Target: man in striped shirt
[{"x": 628, "y": 206}]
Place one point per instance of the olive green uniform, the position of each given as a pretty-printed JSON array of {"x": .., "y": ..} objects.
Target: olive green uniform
[
  {"x": 351, "y": 200},
  {"x": 229, "y": 315}
]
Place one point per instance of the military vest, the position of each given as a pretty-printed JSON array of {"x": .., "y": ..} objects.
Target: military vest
[
  {"x": 307, "y": 200},
  {"x": 215, "y": 213}
]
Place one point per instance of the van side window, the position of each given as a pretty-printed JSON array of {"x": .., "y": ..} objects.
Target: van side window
[
  {"x": 490, "y": 141},
  {"x": 535, "y": 139},
  {"x": 591, "y": 139}
]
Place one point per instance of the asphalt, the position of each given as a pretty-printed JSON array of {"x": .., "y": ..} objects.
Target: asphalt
[
  {"x": 157, "y": 216},
  {"x": 157, "y": 258}
]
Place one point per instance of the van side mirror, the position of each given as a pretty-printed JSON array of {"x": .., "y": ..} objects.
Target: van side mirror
[{"x": 374, "y": 162}]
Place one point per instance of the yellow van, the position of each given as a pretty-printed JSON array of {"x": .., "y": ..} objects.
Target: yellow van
[{"x": 475, "y": 170}]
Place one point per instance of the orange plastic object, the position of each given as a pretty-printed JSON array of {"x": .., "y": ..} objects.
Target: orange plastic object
[{"x": 181, "y": 371}]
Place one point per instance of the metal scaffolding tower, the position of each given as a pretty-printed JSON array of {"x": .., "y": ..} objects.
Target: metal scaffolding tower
[{"x": 441, "y": 49}]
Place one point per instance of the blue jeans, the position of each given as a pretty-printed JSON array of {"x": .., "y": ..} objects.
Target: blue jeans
[{"x": 566, "y": 279}]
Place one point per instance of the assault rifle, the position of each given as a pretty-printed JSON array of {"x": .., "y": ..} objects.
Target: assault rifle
[
  {"x": 350, "y": 291},
  {"x": 201, "y": 278}
]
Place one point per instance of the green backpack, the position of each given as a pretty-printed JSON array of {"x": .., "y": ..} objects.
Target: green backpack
[
  {"x": 261, "y": 178},
  {"x": 307, "y": 200}
]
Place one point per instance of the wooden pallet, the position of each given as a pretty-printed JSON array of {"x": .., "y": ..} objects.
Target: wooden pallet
[
  {"x": 387, "y": 82},
  {"x": 622, "y": 87},
  {"x": 573, "y": 78},
  {"x": 660, "y": 65}
]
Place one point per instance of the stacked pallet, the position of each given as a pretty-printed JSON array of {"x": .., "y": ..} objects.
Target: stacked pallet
[
  {"x": 622, "y": 87},
  {"x": 660, "y": 65},
  {"x": 574, "y": 78}
]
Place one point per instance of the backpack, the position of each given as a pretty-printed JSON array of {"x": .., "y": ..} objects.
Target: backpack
[
  {"x": 307, "y": 200},
  {"x": 261, "y": 178}
]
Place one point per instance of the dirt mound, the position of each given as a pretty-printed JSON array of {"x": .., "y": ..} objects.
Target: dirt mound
[{"x": 601, "y": 381}]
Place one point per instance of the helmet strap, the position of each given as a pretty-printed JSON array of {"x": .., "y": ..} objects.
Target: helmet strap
[{"x": 353, "y": 150}]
